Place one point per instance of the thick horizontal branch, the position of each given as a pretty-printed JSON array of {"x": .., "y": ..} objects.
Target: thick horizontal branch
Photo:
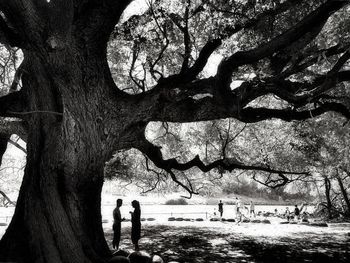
[
  {"x": 195, "y": 101},
  {"x": 300, "y": 94},
  {"x": 229, "y": 164},
  {"x": 309, "y": 59},
  {"x": 250, "y": 114},
  {"x": 296, "y": 93}
]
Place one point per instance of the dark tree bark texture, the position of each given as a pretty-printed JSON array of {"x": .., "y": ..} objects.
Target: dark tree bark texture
[{"x": 76, "y": 117}]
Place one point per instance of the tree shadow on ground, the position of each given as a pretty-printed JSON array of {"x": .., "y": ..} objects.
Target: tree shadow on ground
[{"x": 197, "y": 245}]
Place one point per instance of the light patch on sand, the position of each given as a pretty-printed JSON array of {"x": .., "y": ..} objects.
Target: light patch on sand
[{"x": 218, "y": 242}]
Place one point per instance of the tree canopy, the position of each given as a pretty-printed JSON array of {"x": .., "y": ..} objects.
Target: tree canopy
[{"x": 94, "y": 76}]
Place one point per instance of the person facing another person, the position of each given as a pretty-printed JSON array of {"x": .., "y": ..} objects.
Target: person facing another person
[
  {"x": 221, "y": 208},
  {"x": 117, "y": 220},
  {"x": 136, "y": 224}
]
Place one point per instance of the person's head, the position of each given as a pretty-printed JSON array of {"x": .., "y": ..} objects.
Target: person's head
[
  {"x": 135, "y": 204},
  {"x": 287, "y": 208},
  {"x": 220, "y": 201},
  {"x": 119, "y": 202},
  {"x": 296, "y": 206}
]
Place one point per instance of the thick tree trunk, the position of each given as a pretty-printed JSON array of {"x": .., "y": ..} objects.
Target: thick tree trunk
[{"x": 58, "y": 215}]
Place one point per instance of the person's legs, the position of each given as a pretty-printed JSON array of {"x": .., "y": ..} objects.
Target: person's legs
[{"x": 116, "y": 236}]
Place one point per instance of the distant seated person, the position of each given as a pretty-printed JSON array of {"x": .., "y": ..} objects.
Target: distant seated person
[{"x": 305, "y": 217}]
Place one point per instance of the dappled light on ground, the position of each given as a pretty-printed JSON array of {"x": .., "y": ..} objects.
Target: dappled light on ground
[{"x": 238, "y": 243}]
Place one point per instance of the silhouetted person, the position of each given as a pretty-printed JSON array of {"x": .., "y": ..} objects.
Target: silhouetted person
[
  {"x": 136, "y": 224},
  {"x": 221, "y": 208},
  {"x": 117, "y": 224},
  {"x": 296, "y": 212}
]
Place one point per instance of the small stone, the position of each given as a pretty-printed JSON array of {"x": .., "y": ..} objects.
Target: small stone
[
  {"x": 140, "y": 257},
  {"x": 119, "y": 259},
  {"x": 121, "y": 252},
  {"x": 157, "y": 259}
]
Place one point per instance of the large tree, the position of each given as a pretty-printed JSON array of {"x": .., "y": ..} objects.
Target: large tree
[{"x": 74, "y": 117}]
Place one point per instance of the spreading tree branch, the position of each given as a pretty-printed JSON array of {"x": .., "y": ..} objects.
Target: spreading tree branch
[
  {"x": 228, "y": 164},
  {"x": 250, "y": 114},
  {"x": 309, "y": 24},
  {"x": 209, "y": 48}
]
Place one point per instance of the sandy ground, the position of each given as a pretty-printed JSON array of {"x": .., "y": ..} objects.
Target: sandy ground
[
  {"x": 228, "y": 242},
  {"x": 207, "y": 241}
]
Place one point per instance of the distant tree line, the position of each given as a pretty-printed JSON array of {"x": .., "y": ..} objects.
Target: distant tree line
[{"x": 252, "y": 190}]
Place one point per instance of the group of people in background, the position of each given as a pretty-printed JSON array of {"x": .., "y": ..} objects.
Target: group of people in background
[
  {"x": 240, "y": 207},
  {"x": 296, "y": 215},
  {"x": 135, "y": 224}
]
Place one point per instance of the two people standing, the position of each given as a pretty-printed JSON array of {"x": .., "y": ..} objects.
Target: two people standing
[{"x": 135, "y": 224}]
